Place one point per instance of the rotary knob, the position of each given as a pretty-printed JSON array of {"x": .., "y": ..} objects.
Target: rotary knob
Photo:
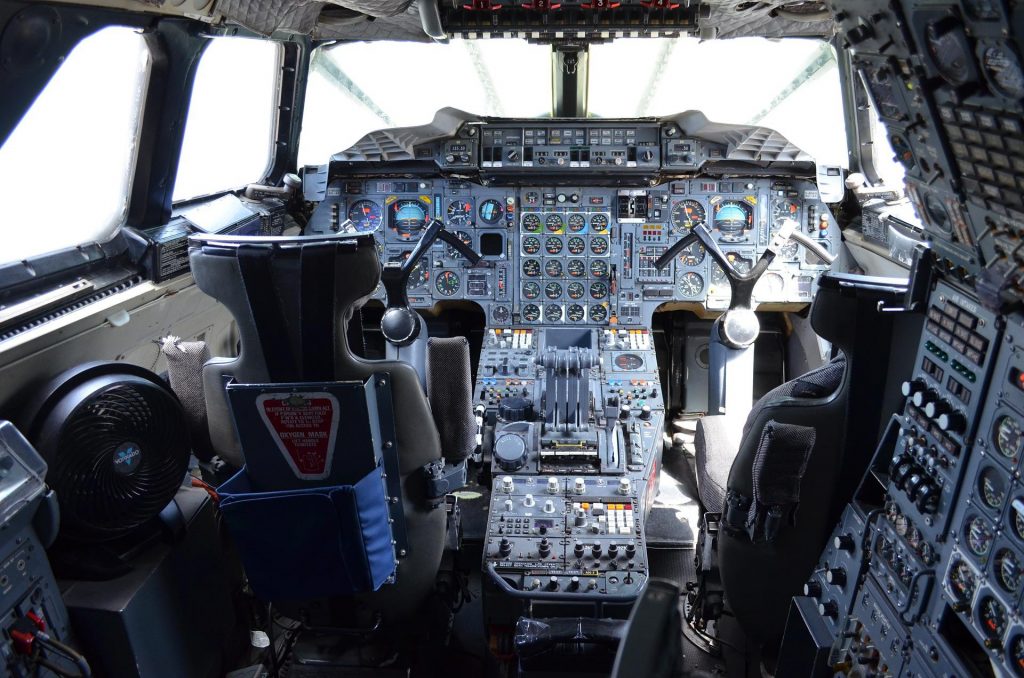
[
  {"x": 510, "y": 452},
  {"x": 812, "y": 589},
  {"x": 911, "y": 388},
  {"x": 515, "y": 409}
]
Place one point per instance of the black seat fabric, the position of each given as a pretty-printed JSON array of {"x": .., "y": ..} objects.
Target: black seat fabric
[{"x": 305, "y": 304}]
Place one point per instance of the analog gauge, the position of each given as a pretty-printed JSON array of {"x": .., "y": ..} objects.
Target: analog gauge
[
  {"x": 770, "y": 286},
  {"x": 784, "y": 208},
  {"x": 900, "y": 523},
  {"x": 692, "y": 255},
  {"x": 447, "y": 283},
  {"x": 741, "y": 265},
  {"x": 531, "y": 290},
  {"x": 531, "y": 222},
  {"x": 366, "y": 215},
  {"x": 629, "y": 362},
  {"x": 949, "y": 50},
  {"x": 961, "y": 582},
  {"x": 408, "y": 216},
  {"x": 1008, "y": 436},
  {"x": 691, "y": 284},
  {"x": 531, "y": 313},
  {"x": 599, "y": 268},
  {"x": 575, "y": 290},
  {"x": 598, "y": 312},
  {"x": 554, "y": 223},
  {"x": 500, "y": 314},
  {"x": 913, "y": 536},
  {"x": 576, "y": 245},
  {"x": 459, "y": 213},
  {"x": 1015, "y": 654},
  {"x": 686, "y": 214},
  {"x": 789, "y": 250},
  {"x": 883, "y": 91},
  {"x": 453, "y": 253},
  {"x": 553, "y": 268},
  {"x": 1007, "y": 570},
  {"x": 979, "y": 536},
  {"x": 491, "y": 211},
  {"x": 598, "y": 289},
  {"x": 553, "y": 290},
  {"x": 575, "y": 313},
  {"x": 937, "y": 214},
  {"x": 552, "y": 313},
  {"x": 531, "y": 268},
  {"x": 1003, "y": 71},
  {"x": 531, "y": 244},
  {"x": 553, "y": 245},
  {"x": 599, "y": 223},
  {"x": 576, "y": 268},
  {"x": 732, "y": 219},
  {"x": 599, "y": 245},
  {"x": 577, "y": 222},
  {"x": 992, "y": 487},
  {"x": 901, "y": 149},
  {"x": 992, "y": 618},
  {"x": 420, "y": 274}
]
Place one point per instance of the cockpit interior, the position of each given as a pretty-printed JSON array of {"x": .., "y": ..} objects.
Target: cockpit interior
[{"x": 513, "y": 338}]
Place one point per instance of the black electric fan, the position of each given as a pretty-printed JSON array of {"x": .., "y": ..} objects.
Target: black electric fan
[{"x": 115, "y": 439}]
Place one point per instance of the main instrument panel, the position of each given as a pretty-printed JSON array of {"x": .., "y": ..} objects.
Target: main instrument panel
[{"x": 584, "y": 255}]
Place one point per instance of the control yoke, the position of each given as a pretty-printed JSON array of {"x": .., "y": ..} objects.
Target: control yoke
[{"x": 400, "y": 325}]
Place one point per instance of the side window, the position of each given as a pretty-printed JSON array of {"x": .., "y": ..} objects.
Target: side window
[
  {"x": 229, "y": 135},
  {"x": 83, "y": 128}
]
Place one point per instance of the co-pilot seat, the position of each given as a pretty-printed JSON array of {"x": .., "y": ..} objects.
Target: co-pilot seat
[
  {"x": 782, "y": 483},
  {"x": 292, "y": 299}
]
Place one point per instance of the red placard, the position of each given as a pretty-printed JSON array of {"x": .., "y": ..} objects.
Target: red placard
[{"x": 305, "y": 427}]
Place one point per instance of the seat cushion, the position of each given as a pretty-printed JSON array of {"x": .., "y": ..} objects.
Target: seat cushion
[{"x": 716, "y": 444}]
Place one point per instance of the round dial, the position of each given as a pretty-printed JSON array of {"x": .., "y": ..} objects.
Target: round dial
[
  {"x": 979, "y": 536},
  {"x": 629, "y": 362},
  {"x": 692, "y": 255},
  {"x": 531, "y": 290},
  {"x": 501, "y": 314},
  {"x": 691, "y": 284},
  {"x": 531, "y": 268},
  {"x": 531, "y": 222},
  {"x": 599, "y": 268},
  {"x": 992, "y": 617},
  {"x": 599, "y": 245},
  {"x": 992, "y": 488},
  {"x": 1007, "y": 570},
  {"x": 552, "y": 313},
  {"x": 491, "y": 211},
  {"x": 1003, "y": 71},
  {"x": 531, "y": 245},
  {"x": 554, "y": 223},
  {"x": 1015, "y": 654},
  {"x": 575, "y": 313},
  {"x": 937, "y": 214},
  {"x": 686, "y": 214},
  {"x": 408, "y": 216},
  {"x": 732, "y": 218},
  {"x": 531, "y": 313},
  {"x": 553, "y": 245},
  {"x": 961, "y": 582},
  {"x": 553, "y": 290},
  {"x": 576, "y": 245},
  {"x": 453, "y": 253},
  {"x": 419, "y": 275},
  {"x": 577, "y": 268},
  {"x": 553, "y": 268},
  {"x": 577, "y": 222},
  {"x": 1017, "y": 523},
  {"x": 459, "y": 213},
  {"x": 598, "y": 312},
  {"x": 599, "y": 223},
  {"x": 1008, "y": 436},
  {"x": 447, "y": 283},
  {"x": 739, "y": 263},
  {"x": 366, "y": 215},
  {"x": 784, "y": 208},
  {"x": 770, "y": 286},
  {"x": 575, "y": 290},
  {"x": 598, "y": 289}
]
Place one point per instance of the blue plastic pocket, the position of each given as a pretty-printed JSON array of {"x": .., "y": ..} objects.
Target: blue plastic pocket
[{"x": 310, "y": 543}]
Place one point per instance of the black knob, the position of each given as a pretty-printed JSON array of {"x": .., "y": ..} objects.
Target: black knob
[
  {"x": 914, "y": 483},
  {"x": 927, "y": 500},
  {"x": 574, "y": 584},
  {"x": 647, "y": 156},
  {"x": 510, "y": 452},
  {"x": 844, "y": 542},
  {"x": 836, "y": 576},
  {"x": 544, "y": 548},
  {"x": 910, "y": 388},
  {"x": 505, "y": 547},
  {"x": 936, "y": 408},
  {"x": 812, "y": 589},
  {"x": 645, "y": 412},
  {"x": 596, "y": 550},
  {"x": 953, "y": 421},
  {"x": 922, "y": 398},
  {"x": 828, "y": 609},
  {"x": 553, "y": 584},
  {"x": 512, "y": 155},
  {"x": 515, "y": 408},
  {"x": 624, "y": 412},
  {"x": 630, "y": 550},
  {"x": 578, "y": 549},
  {"x": 613, "y": 551}
]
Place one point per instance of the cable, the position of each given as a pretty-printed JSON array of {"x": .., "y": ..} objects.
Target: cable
[{"x": 69, "y": 653}]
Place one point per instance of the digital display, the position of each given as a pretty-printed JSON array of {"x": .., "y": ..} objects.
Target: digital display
[
  {"x": 457, "y": 148},
  {"x": 492, "y": 244}
]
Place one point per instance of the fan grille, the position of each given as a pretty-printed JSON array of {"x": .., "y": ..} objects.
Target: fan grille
[{"x": 137, "y": 423}]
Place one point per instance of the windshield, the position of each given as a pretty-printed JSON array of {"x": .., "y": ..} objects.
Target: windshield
[{"x": 790, "y": 85}]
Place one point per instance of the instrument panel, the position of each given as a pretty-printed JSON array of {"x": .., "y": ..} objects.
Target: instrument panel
[{"x": 584, "y": 255}]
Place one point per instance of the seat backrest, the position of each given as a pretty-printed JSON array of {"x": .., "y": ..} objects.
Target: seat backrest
[
  {"x": 292, "y": 299},
  {"x": 839, "y": 407}
]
